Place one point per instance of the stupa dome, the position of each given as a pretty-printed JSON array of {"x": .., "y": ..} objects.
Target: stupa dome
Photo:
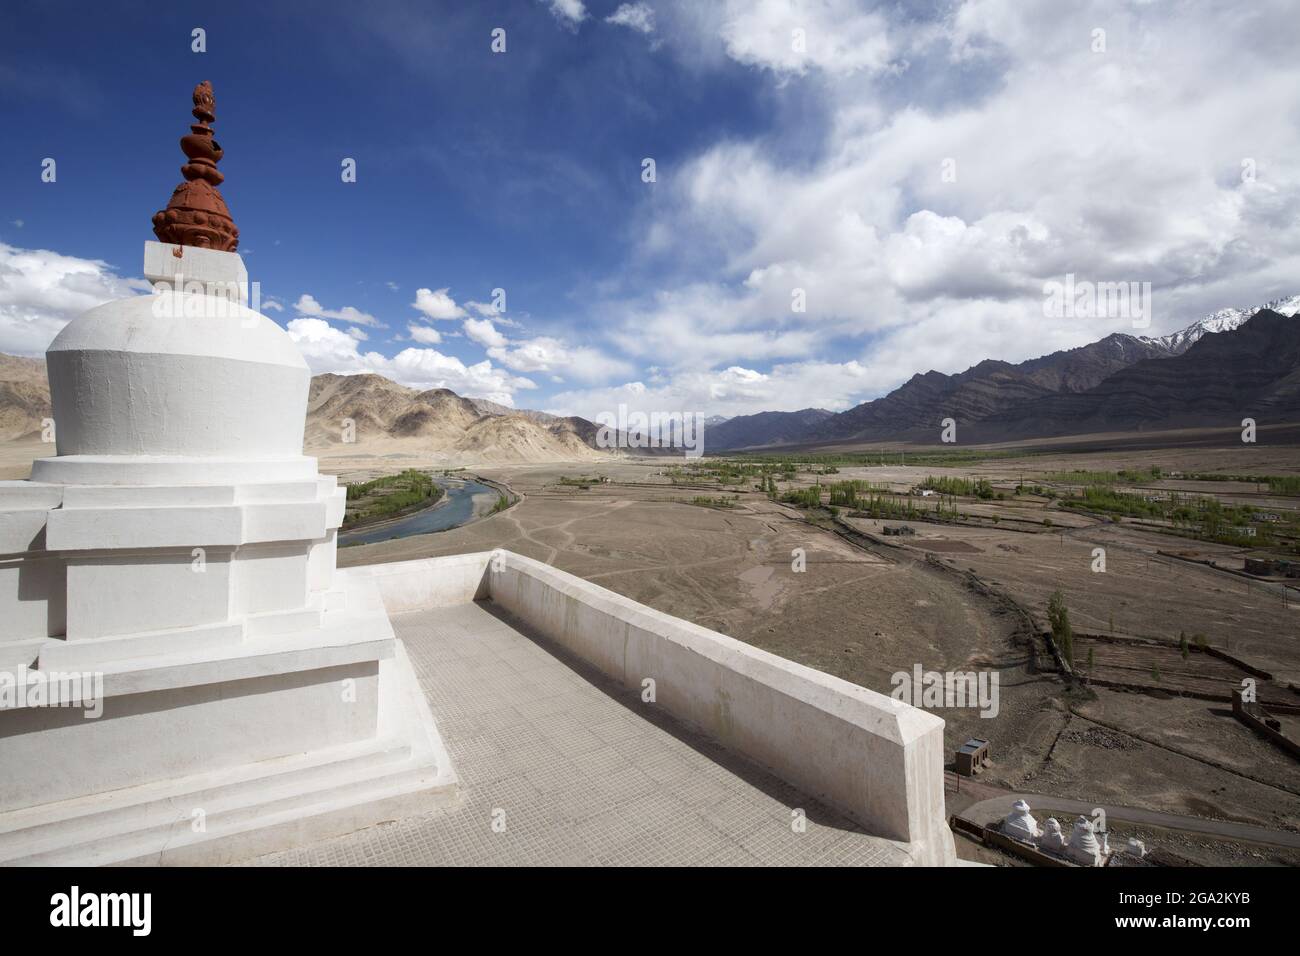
[
  {"x": 177, "y": 374},
  {"x": 188, "y": 385}
]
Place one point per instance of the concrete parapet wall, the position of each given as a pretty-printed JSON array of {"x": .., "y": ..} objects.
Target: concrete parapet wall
[
  {"x": 428, "y": 582},
  {"x": 869, "y": 756}
]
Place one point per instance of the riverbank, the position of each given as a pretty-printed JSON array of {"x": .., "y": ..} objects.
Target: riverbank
[
  {"x": 377, "y": 520},
  {"x": 465, "y": 500}
]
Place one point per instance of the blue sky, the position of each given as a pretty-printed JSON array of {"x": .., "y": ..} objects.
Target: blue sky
[{"x": 781, "y": 165}]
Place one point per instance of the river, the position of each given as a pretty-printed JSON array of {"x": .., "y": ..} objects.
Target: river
[{"x": 454, "y": 509}]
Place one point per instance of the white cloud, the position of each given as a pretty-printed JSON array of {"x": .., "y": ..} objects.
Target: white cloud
[
  {"x": 308, "y": 306},
  {"x": 328, "y": 349},
  {"x": 423, "y": 334},
  {"x": 437, "y": 304},
  {"x": 634, "y": 16},
  {"x": 735, "y": 390},
  {"x": 541, "y": 354},
  {"x": 789, "y": 36},
  {"x": 568, "y": 12},
  {"x": 41, "y": 291},
  {"x": 544, "y": 354},
  {"x": 484, "y": 333},
  {"x": 551, "y": 355}
]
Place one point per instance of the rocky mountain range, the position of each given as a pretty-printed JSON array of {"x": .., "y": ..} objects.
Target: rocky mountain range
[
  {"x": 765, "y": 428},
  {"x": 1250, "y": 371},
  {"x": 381, "y": 416},
  {"x": 1007, "y": 398},
  {"x": 486, "y": 407}
]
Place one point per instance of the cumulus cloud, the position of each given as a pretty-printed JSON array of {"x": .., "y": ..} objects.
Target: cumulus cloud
[
  {"x": 423, "y": 334},
  {"x": 328, "y": 349},
  {"x": 544, "y": 354},
  {"x": 635, "y": 16},
  {"x": 568, "y": 12},
  {"x": 308, "y": 306},
  {"x": 42, "y": 291},
  {"x": 789, "y": 36},
  {"x": 483, "y": 309},
  {"x": 437, "y": 304},
  {"x": 484, "y": 333}
]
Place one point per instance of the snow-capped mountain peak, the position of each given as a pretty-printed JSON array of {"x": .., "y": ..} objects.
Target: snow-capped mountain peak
[{"x": 1224, "y": 320}]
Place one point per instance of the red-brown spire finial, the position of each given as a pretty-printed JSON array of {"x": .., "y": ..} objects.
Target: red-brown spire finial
[{"x": 196, "y": 215}]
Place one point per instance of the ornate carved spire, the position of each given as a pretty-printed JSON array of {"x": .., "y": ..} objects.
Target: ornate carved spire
[{"x": 196, "y": 215}]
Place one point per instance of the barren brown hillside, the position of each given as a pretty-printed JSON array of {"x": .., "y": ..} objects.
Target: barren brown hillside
[
  {"x": 387, "y": 418},
  {"x": 24, "y": 397}
]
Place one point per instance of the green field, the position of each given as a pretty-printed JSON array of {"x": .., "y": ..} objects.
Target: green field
[{"x": 389, "y": 495}]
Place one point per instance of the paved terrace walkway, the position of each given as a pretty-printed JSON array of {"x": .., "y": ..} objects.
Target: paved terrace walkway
[{"x": 585, "y": 773}]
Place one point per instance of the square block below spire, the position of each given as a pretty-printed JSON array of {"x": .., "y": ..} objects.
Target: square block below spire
[{"x": 222, "y": 274}]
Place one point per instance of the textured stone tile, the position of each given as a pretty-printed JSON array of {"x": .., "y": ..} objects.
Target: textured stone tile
[{"x": 578, "y": 772}]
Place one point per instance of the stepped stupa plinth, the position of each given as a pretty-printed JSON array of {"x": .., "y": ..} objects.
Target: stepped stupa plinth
[{"x": 171, "y": 571}]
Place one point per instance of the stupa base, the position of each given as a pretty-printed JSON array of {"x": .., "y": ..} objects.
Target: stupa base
[{"x": 212, "y": 757}]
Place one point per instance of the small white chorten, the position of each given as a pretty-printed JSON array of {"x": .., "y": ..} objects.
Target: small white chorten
[
  {"x": 1052, "y": 839},
  {"x": 1084, "y": 848},
  {"x": 1021, "y": 825}
]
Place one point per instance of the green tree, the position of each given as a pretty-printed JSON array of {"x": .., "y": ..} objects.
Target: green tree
[{"x": 1058, "y": 615}]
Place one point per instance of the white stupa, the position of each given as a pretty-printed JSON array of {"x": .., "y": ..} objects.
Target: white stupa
[
  {"x": 1084, "y": 848},
  {"x": 1020, "y": 824},
  {"x": 173, "y": 567},
  {"x": 1052, "y": 838}
]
